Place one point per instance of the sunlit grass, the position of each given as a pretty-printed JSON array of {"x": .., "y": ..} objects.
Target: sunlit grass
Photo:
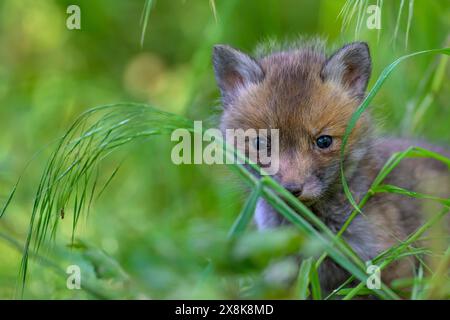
[{"x": 355, "y": 11}]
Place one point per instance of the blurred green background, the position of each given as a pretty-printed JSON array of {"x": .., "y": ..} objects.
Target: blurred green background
[{"x": 149, "y": 233}]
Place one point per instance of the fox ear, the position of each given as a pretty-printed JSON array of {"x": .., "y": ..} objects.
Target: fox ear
[
  {"x": 233, "y": 70},
  {"x": 351, "y": 67}
]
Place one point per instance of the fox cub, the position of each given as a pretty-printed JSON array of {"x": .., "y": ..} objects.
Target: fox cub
[{"x": 310, "y": 97}]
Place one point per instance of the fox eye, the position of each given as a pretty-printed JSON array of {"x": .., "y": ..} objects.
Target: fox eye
[
  {"x": 324, "y": 142},
  {"x": 259, "y": 143}
]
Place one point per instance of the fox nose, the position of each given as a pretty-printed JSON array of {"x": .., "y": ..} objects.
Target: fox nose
[{"x": 294, "y": 188}]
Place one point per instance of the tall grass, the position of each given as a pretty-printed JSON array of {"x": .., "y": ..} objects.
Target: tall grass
[
  {"x": 69, "y": 185},
  {"x": 354, "y": 11}
]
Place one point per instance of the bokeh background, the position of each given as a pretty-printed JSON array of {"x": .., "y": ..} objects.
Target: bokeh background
[{"x": 149, "y": 233}]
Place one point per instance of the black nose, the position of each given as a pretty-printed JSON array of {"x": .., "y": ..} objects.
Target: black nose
[{"x": 295, "y": 189}]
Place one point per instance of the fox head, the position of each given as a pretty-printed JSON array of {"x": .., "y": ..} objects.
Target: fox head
[{"x": 309, "y": 97}]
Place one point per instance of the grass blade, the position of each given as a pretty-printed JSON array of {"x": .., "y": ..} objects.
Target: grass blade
[
  {"x": 408, "y": 26},
  {"x": 365, "y": 104},
  {"x": 144, "y": 19},
  {"x": 303, "y": 279},
  {"x": 247, "y": 213},
  {"x": 316, "y": 292},
  {"x": 417, "y": 284}
]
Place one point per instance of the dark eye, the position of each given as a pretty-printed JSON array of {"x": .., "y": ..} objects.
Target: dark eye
[
  {"x": 324, "y": 142},
  {"x": 259, "y": 143}
]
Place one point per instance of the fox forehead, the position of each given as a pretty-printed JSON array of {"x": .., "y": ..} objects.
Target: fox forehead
[{"x": 292, "y": 97}]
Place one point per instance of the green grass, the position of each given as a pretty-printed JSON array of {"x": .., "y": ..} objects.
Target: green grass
[
  {"x": 70, "y": 184},
  {"x": 164, "y": 260},
  {"x": 354, "y": 11}
]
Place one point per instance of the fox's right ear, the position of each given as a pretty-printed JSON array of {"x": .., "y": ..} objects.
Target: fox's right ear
[
  {"x": 350, "y": 66},
  {"x": 234, "y": 70}
]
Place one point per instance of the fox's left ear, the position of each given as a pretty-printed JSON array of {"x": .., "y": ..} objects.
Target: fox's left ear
[
  {"x": 351, "y": 67},
  {"x": 234, "y": 69}
]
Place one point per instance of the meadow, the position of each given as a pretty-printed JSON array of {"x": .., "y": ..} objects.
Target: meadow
[{"x": 86, "y": 177}]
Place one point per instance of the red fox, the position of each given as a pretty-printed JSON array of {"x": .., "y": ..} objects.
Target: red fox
[{"x": 310, "y": 97}]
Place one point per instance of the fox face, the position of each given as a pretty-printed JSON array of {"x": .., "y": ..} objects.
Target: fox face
[{"x": 309, "y": 98}]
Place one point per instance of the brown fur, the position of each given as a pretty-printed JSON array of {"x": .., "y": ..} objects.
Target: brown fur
[{"x": 306, "y": 94}]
